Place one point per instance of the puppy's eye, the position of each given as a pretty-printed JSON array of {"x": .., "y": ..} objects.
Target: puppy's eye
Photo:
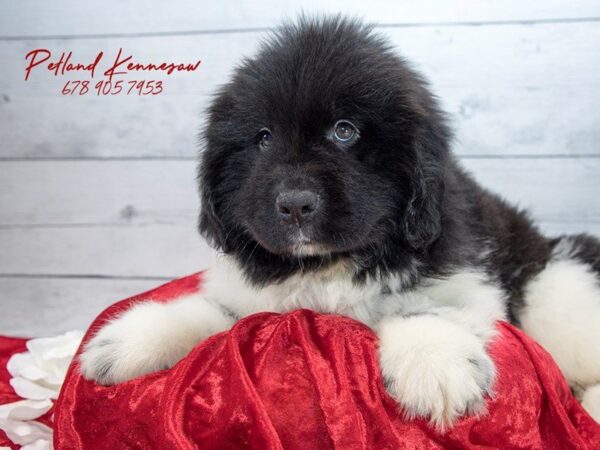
[
  {"x": 344, "y": 131},
  {"x": 264, "y": 138}
]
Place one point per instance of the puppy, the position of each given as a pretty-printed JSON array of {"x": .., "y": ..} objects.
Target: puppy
[{"x": 328, "y": 182}]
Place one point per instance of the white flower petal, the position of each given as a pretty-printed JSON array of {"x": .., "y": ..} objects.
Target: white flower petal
[
  {"x": 57, "y": 346},
  {"x": 23, "y": 365},
  {"x": 34, "y": 391},
  {"x": 53, "y": 355},
  {"x": 37, "y": 376},
  {"x": 25, "y": 409},
  {"x": 40, "y": 444},
  {"x": 22, "y": 433}
]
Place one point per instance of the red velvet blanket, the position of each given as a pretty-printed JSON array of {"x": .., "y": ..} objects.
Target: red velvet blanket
[{"x": 304, "y": 381}]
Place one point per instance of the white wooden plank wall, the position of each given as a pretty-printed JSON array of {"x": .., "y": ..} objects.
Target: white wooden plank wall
[{"x": 97, "y": 194}]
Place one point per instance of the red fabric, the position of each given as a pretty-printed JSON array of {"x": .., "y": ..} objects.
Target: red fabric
[
  {"x": 8, "y": 347},
  {"x": 308, "y": 381}
]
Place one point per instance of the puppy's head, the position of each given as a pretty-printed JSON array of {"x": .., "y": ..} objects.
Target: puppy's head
[{"x": 324, "y": 144}]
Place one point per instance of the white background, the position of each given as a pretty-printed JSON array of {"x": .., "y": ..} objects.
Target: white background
[{"x": 97, "y": 194}]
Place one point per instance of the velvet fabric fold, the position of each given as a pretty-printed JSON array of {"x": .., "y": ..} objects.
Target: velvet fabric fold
[{"x": 304, "y": 380}]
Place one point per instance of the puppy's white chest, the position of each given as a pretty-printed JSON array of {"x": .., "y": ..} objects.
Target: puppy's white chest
[
  {"x": 328, "y": 291},
  {"x": 469, "y": 294}
]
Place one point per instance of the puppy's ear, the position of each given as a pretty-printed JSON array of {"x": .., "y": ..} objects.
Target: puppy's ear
[
  {"x": 209, "y": 224},
  {"x": 213, "y": 146},
  {"x": 423, "y": 214}
]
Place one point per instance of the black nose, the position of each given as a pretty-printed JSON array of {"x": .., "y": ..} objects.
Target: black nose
[{"x": 297, "y": 206}]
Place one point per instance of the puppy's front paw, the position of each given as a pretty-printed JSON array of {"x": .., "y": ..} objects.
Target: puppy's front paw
[
  {"x": 140, "y": 341},
  {"x": 434, "y": 368}
]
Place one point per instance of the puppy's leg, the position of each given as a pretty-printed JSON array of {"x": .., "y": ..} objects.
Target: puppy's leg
[
  {"x": 434, "y": 368},
  {"x": 562, "y": 313},
  {"x": 433, "y": 351},
  {"x": 150, "y": 336}
]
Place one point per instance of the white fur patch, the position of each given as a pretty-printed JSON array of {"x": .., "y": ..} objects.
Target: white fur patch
[
  {"x": 469, "y": 298},
  {"x": 562, "y": 313}
]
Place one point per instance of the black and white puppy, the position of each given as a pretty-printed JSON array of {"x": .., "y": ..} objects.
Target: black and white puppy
[{"x": 328, "y": 183}]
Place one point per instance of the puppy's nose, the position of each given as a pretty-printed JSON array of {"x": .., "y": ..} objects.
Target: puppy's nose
[{"x": 296, "y": 206}]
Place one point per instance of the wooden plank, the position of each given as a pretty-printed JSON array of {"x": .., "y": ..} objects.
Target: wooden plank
[
  {"x": 514, "y": 55},
  {"x": 30, "y": 18},
  {"x": 562, "y": 228},
  {"x": 495, "y": 82},
  {"x": 143, "y": 193},
  {"x": 33, "y": 307},
  {"x": 138, "y": 219},
  {"x": 152, "y": 251},
  {"x": 145, "y": 251},
  {"x": 115, "y": 193},
  {"x": 554, "y": 190},
  {"x": 499, "y": 122}
]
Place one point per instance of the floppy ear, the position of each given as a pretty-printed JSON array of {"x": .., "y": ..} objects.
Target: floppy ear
[
  {"x": 423, "y": 213},
  {"x": 209, "y": 225}
]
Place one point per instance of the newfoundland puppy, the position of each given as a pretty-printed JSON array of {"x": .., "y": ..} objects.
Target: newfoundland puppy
[{"x": 328, "y": 182}]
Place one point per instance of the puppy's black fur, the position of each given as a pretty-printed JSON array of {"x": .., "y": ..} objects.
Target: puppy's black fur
[{"x": 395, "y": 200}]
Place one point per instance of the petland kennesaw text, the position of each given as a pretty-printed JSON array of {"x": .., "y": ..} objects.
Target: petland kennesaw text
[{"x": 121, "y": 65}]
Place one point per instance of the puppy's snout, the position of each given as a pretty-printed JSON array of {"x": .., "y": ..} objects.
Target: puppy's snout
[{"x": 296, "y": 206}]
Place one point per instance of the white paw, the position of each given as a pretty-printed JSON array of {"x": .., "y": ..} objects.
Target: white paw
[
  {"x": 434, "y": 368},
  {"x": 149, "y": 337}
]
